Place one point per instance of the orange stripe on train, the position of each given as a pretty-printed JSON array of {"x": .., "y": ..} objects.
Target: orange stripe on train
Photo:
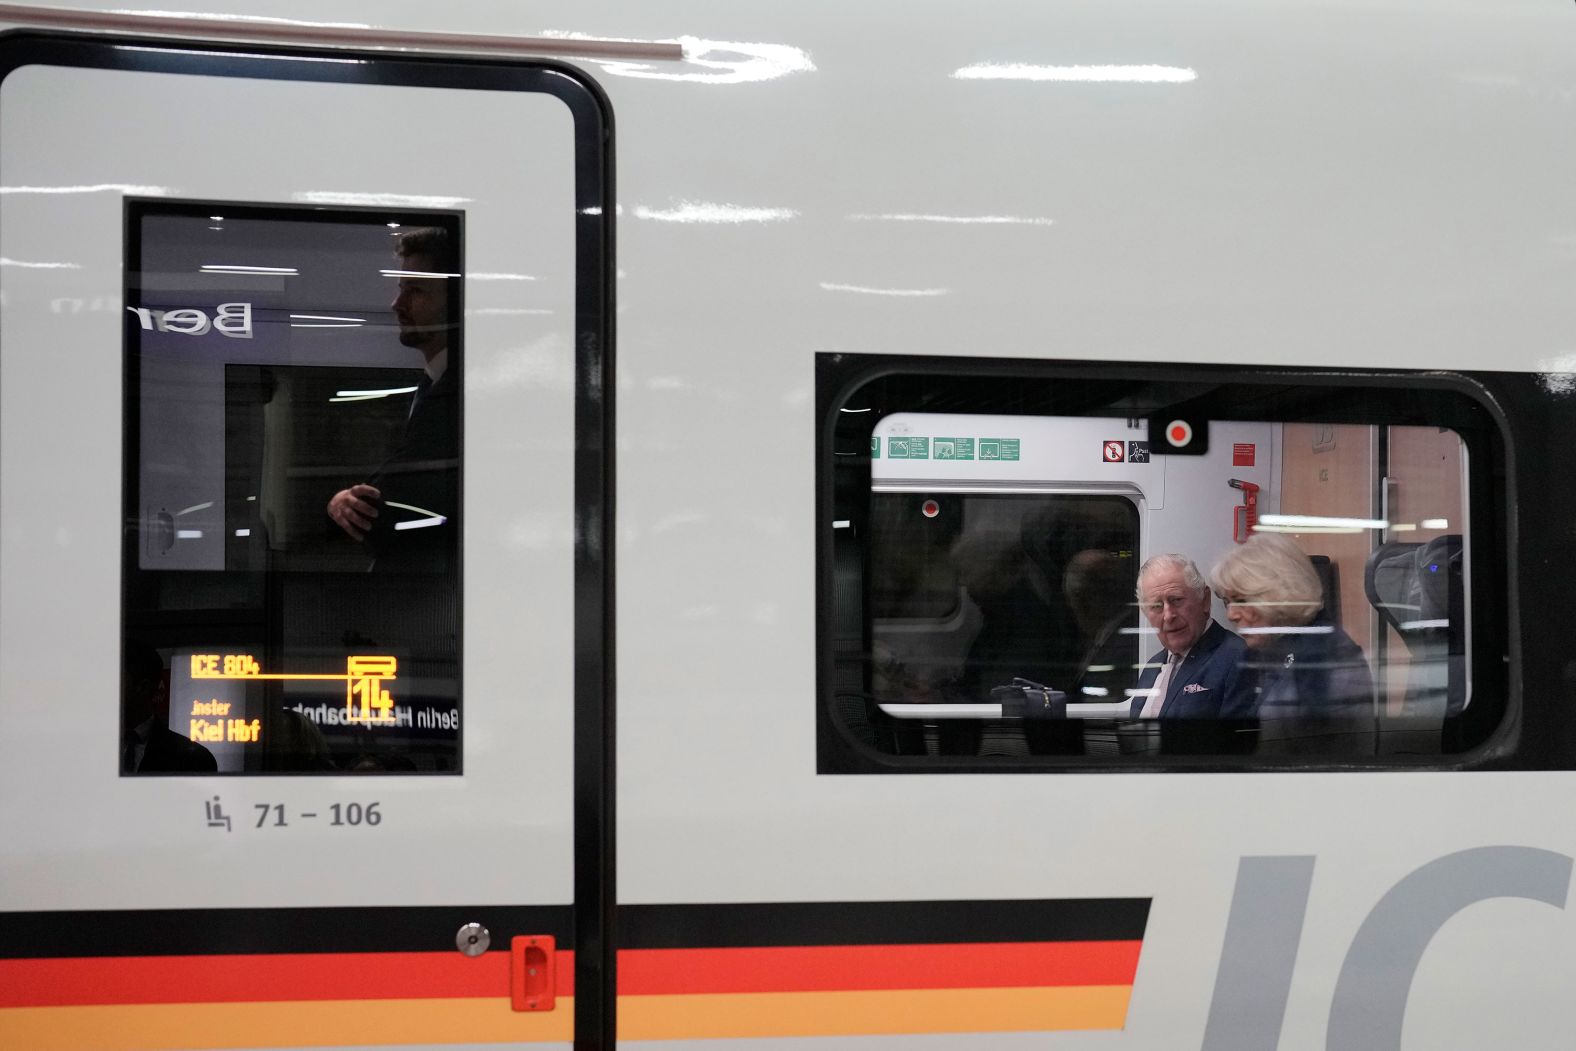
[
  {"x": 358, "y": 1023},
  {"x": 872, "y": 1013}
]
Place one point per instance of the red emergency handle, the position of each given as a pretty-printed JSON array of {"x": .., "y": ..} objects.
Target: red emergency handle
[
  {"x": 533, "y": 972},
  {"x": 1245, "y": 516}
]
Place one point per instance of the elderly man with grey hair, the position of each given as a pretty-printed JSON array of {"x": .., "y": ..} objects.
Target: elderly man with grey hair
[{"x": 1196, "y": 674}]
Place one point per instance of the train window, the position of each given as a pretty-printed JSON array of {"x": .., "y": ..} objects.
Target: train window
[
  {"x": 1156, "y": 571},
  {"x": 292, "y": 461}
]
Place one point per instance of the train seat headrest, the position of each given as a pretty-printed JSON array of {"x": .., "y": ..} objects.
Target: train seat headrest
[{"x": 1417, "y": 588}]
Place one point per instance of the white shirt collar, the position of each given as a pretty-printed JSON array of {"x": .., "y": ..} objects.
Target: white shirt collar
[{"x": 437, "y": 366}]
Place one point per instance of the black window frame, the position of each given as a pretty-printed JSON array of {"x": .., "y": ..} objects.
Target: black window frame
[
  {"x": 135, "y": 213},
  {"x": 1488, "y": 730}
]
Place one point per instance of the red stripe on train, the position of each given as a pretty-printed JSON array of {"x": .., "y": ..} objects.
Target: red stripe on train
[
  {"x": 237, "y": 979},
  {"x": 871, "y": 967}
]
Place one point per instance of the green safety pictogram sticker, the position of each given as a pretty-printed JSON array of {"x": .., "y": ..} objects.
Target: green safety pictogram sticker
[
  {"x": 875, "y": 448},
  {"x": 908, "y": 448},
  {"x": 999, "y": 448},
  {"x": 952, "y": 449}
]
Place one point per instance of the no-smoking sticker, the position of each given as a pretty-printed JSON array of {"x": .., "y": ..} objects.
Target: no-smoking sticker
[{"x": 1115, "y": 452}]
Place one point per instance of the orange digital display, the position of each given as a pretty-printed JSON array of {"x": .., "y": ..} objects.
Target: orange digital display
[{"x": 367, "y": 703}]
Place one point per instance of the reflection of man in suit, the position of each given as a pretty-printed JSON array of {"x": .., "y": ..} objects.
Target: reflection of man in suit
[
  {"x": 148, "y": 745},
  {"x": 1195, "y": 675},
  {"x": 406, "y": 511}
]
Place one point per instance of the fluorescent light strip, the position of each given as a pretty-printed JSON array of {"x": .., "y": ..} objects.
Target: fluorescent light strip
[
  {"x": 195, "y": 507},
  {"x": 414, "y": 273},
  {"x": 1321, "y": 520},
  {"x": 325, "y": 317},
  {"x": 382, "y": 392},
  {"x": 417, "y": 510},
  {"x": 1261, "y": 528},
  {"x": 272, "y": 271}
]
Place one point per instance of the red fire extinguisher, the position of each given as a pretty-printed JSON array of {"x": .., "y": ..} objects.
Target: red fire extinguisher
[{"x": 1245, "y": 515}]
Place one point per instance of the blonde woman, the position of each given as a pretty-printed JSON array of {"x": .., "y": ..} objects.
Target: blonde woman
[{"x": 1300, "y": 664}]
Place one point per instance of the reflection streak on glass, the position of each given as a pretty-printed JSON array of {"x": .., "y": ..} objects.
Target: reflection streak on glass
[
  {"x": 209, "y": 16},
  {"x": 1147, "y": 74},
  {"x": 707, "y": 212},
  {"x": 38, "y": 266},
  {"x": 722, "y": 61},
  {"x": 379, "y": 200},
  {"x": 103, "y": 187},
  {"x": 1324, "y": 521},
  {"x": 234, "y": 54},
  {"x": 831, "y": 286},
  {"x": 370, "y": 395},
  {"x": 241, "y": 268},
  {"x": 980, "y": 220},
  {"x": 1259, "y": 527}
]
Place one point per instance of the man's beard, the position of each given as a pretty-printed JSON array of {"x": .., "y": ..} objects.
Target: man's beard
[{"x": 421, "y": 337}]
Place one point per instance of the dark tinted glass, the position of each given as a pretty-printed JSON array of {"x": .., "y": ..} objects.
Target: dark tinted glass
[{"x": 293, "y": 421}]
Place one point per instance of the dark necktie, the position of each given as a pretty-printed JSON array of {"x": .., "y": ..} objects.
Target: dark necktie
[{"x": 423, "y": 385}]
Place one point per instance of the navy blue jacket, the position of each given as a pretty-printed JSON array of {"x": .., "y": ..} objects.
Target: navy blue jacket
[{"x": 1209, "y": 683}]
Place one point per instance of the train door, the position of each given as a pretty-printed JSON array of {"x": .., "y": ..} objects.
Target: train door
[{"x": 302, "y": 591}]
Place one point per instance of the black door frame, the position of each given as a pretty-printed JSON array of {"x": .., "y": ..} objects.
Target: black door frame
[{"x": 594, "y": 942}]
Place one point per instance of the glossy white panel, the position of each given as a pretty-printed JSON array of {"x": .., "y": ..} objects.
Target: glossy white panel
[
  {"x": 499, "y": 833},
  {"x": 1314, "y": 182}
]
